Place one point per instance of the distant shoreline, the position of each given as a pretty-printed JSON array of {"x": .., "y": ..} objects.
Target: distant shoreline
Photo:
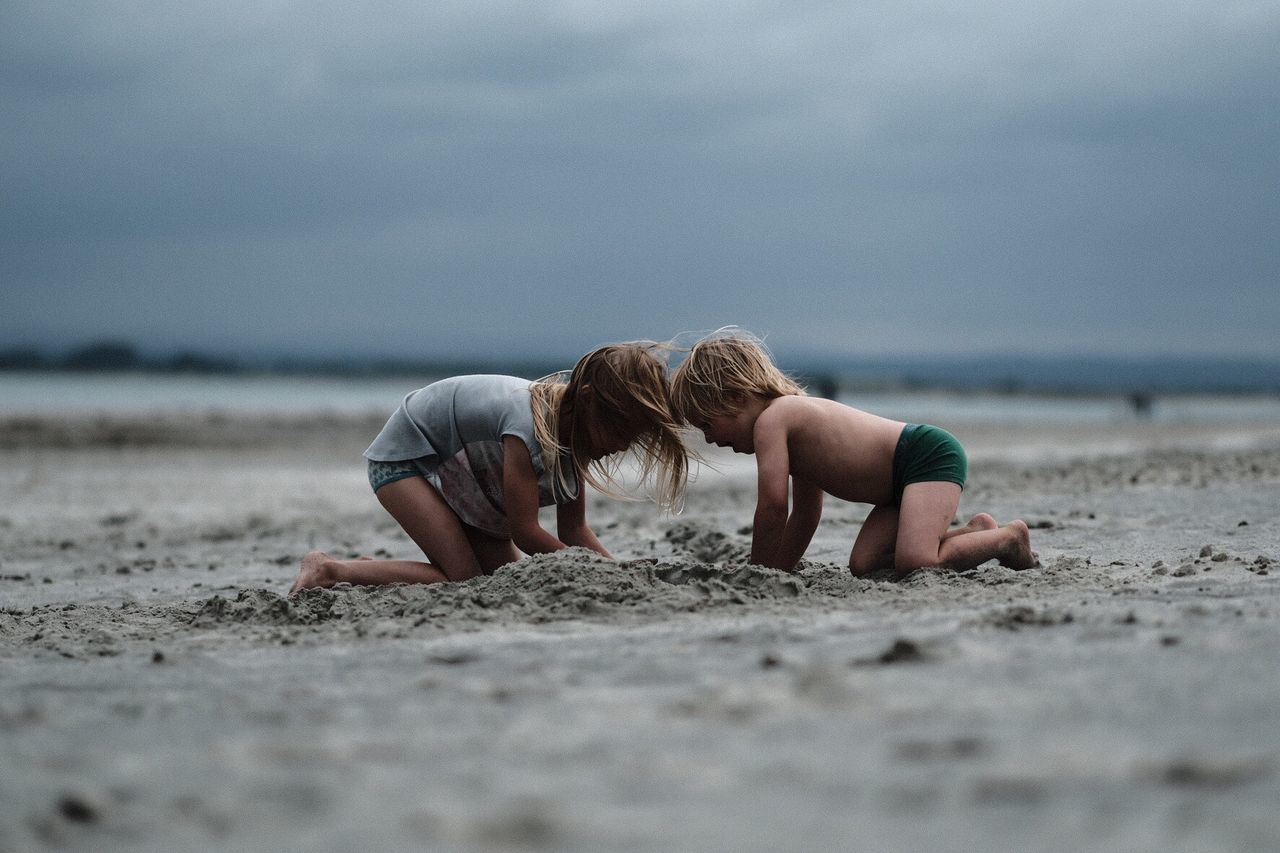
[{"x": 992, "y": 373}]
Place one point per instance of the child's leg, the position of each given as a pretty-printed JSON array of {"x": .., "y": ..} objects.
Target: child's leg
[
  {"x": 433, "y": 526},
  {"x": 873, "y": 549},
  {"x": 926, "y": 512},
  {"x": 321, "y": 570},
  {"x": 430, "y": 523},
  {"x": 492, "y": 553}
]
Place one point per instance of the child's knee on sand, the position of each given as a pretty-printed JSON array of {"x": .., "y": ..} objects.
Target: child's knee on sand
[
  {"x": 901, "y": 566},
  {"x": 862, "y": 564},
  {"x": 1009, "y": 544}
]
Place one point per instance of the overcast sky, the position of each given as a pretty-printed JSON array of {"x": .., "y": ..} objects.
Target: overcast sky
[{"x": 422, "y": 178}]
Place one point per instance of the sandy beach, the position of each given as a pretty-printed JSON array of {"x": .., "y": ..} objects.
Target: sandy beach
[{"x": 160, "y": 693}]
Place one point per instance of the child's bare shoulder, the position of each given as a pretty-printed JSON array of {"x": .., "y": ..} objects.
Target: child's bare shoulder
[
  {"x": 799, "y": 414},
  {"x": 780, "y": 407},
  {"x": 800, "y": 403},
  {"x": 794, "y": 409}
]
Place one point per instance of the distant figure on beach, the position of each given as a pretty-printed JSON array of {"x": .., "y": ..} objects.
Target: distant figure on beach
[
  {"x": 1142, "y": 403},
  {"x": 464, "y": 464},
  {"x": 730, "y": 389}
]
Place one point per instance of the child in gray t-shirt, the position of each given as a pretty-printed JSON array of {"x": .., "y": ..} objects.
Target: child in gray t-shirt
[{"x": 464, "y": 464}]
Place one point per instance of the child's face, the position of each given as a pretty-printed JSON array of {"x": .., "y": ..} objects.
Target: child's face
[
  {"x": 732, "y": 430},
  {"x": 602, "y": 441}
]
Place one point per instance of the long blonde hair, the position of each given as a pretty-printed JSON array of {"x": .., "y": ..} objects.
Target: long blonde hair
[
  {"x": 631, "y": 398},
  {"x": 726, "y": 363}
]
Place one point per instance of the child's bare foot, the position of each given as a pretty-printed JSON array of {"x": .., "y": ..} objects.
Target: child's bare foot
[
  {"x": 1018, "y": 554},
  {"x": 981, "y": 521},
  {"x": 316, "y": 571}
]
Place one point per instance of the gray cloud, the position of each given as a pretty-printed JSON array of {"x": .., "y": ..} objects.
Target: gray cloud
[{"x": 427, "y": 177}]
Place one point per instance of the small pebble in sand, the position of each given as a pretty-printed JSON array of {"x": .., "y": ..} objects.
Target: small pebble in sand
[
  {"x": 76, "y": 808},
  {"x": 928, "y": 750},
  {"x": 453, "y": 658},
  {"x": 902, "y": 651},
  {"x": 1220, "y": 773},
  {"x": 1011, "y": 790}
]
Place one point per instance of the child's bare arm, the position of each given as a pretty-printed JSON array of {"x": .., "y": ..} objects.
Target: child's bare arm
[
  {"x": 520, "y": 496},
  {"x": 806, "y": 510},
  {"x": 772, "y": 477},
  {"x": 571, "y": 523}
]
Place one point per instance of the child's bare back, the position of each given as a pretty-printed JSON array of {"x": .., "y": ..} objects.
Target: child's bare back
[{"x": 845, "y": 452}]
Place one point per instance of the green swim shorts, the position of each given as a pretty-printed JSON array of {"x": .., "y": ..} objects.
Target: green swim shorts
[{"x": 927, "y": 454}]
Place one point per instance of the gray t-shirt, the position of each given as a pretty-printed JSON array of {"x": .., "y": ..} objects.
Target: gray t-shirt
[{"x": 452, "y": 431}]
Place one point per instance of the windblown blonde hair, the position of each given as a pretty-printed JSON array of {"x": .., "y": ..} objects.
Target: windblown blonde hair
[
  {"x": 725, "y": 363},
  {"x": 631, "y": 399}
]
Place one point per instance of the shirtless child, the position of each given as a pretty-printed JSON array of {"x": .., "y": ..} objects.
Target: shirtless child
[{"x": 730, "y": 389}]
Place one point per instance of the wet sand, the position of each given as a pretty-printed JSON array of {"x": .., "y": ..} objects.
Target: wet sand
[{"x": 161, "y": 693}]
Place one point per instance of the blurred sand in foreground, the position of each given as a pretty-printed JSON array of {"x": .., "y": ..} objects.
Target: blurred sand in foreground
[{"x": 159, "y": 693}]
